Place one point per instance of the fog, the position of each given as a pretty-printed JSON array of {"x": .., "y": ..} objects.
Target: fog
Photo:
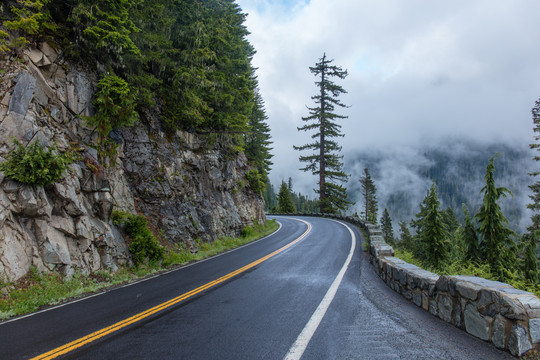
[
  {"x": 420, "y": 73},
  {"x": 403, "y": 178}
]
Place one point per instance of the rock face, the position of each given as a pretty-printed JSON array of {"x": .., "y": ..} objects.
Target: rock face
[
  {"x": 185, "y": 187},
  {"x": 189, "y": 191}
]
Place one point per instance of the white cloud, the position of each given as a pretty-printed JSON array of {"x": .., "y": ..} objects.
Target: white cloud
[{"x": 419, "y": 70}]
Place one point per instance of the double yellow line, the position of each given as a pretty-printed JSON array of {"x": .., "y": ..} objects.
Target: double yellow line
[{"x": 69, "y": 347}]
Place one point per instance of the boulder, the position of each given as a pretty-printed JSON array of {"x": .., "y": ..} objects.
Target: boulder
[
  {"x": 534, "y": 330},
  {"x": 48, "y": 51},
  {"x": 53, "y": 244},
  {"x": 445, "y": 307},
  {"x": 64, "y": 224},
  {"x": 68, "y": 192},
  {"x": 22, "y": 94},
  {"x": 498, "y": 337},
  {"x": 475, "y": 323},
  {"x": 13, "y": 255},
  {"x": 467, "y": 289},
  {"x": 518, "y": 342},
  {"x": 531, "y": 304}
]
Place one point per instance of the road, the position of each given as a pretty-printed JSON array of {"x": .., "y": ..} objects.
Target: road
[{"x": 251, "y": 303}]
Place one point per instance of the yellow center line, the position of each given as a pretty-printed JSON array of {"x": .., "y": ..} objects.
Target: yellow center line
[{"x": 64, "y": 349}]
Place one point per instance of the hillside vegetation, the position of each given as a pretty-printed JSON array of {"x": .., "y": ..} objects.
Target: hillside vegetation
[
  {"x": 457, "y": 166},
  {"x": 189, "y": 59}
]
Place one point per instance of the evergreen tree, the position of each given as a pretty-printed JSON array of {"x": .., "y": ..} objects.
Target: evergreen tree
[
  {"x": 114, "y": 101},
  {"x": 148, "y": 71},
  {"x": 305, "y": 205},
  {"x": 370, "y": 198},
  {"x": 432, "y": 232},
  {"x": 457, "y": 251},
  {"x": 102, "y": 30},
  {"x": 285, "y": 203},
  {"x": 530, "y": 263},
  {"x": 28, "y": 19},
  {"x": 212, "y": 83},
  {"x": 289, "y": 184},
  {"x": 450, "y": 220},
  {"x": 270, "y": 197},
  {"x": 534, "y": 229},
  {"x": 497, "y": 246},
  {"x": 257, "y": 140},
  {"x": 470, "y": 238},
  {"x": 416, "y": 222},
  {"x": 417, "y": 247},
  {"x": 387, "y": 230},
  {"x": 325, "y": 161},
  {"x": 405, "y": 237}
]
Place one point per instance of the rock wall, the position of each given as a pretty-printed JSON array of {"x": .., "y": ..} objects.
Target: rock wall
[
  {"x": 190, "y": 191},
  {"x": 187, "y": 189},
  {"x": 490, "y": 310}
]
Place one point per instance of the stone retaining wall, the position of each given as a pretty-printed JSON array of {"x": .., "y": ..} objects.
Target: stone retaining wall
[{"x": 490, "y": 310}]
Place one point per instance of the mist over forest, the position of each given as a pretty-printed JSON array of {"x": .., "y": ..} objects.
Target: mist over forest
[{"x": 404, "y": 175}]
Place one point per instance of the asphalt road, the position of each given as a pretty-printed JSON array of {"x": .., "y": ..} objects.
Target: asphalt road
[{"x": 257, "y": 313}]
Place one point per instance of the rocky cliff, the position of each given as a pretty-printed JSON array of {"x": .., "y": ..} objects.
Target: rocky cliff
[{"x": 187, "y": 188}]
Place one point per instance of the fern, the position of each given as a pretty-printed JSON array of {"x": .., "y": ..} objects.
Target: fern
[
  {"x": 34, "y": 165},
  {"x": 115, "y": 105},
  {"x": 143, "y": 244}
]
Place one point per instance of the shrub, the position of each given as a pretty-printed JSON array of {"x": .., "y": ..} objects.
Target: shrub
[
  {"x": 255, "y": 181},
  {"x": 143, "y": 244},
  {"x": 248, "y": 231},
  {"x": 4, "y": 46},
  {"x": 115, "y": 105},
  {"x": 103, "y": 28},
  {"x": 30, "y": 18},
  {"x": 35, "y": 165}
]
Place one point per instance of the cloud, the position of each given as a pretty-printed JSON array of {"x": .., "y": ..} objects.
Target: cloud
[{"x": 419, "y": 70}]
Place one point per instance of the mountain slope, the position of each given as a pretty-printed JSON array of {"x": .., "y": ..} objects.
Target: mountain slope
[{"x": 457, "y": 166}]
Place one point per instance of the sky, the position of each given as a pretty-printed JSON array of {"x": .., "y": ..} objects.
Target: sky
[{"x": 419, "y": 71}]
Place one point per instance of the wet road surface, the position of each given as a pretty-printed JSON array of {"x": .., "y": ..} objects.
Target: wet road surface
[{"x": 254, "y": 314}]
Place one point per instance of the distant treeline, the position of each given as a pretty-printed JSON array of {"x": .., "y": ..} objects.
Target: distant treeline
[
  {"x": 457, "y": 168},
  {"x": 298, "y": 202}
]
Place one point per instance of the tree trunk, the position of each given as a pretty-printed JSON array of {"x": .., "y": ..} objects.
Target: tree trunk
[{"x": 322, "y": 167}]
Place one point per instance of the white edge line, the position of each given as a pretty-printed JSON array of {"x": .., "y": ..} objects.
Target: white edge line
[
  {"x": 137, "y": 281},
  {"x": 297, "y": 349}
]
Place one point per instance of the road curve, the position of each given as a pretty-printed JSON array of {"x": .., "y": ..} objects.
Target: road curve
[{"x": 254, "y": 314}]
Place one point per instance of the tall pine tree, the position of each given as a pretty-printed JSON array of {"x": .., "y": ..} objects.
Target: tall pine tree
[
  {"x": 370, "y": 199},
  {"x": 325, "y": 160},
  {"x": 530, "y": 265},
  {"x": 285, "y": 203},
  {"x": 497, "y": 246},
  {"x": 450, "y": 220},
  {"x": 470, "y": 238},
  {"x": 257, "y": 140},
  {"x": 405, "y": 237},
  {"x": 386, "y": 225},
  {"x": 534, "y": 229},
  {"x": 102, "y": 31},
  {"x": 432, "y": 231},
  {"x": 270, "y": 197}
]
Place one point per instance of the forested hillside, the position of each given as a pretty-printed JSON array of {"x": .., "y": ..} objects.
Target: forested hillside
[
  {"x": 120, "y": 111},
  {"x": 189, "y": 59},
  {"x": 403, "y": 178}
]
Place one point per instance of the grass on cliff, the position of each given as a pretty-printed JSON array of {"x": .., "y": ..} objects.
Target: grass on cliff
[
  {"x": 182, "y": 255},
  {"x": 37, "y": 290}
]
